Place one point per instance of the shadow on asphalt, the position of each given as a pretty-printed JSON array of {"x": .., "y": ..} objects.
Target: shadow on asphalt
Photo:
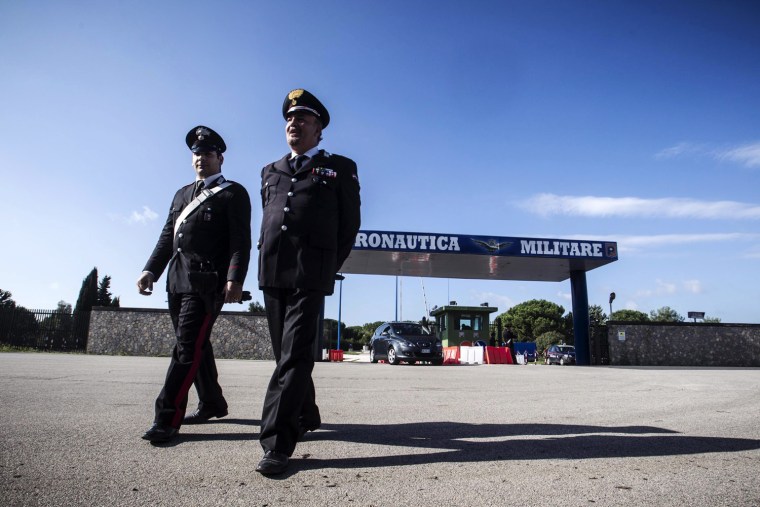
[
  {"x": 195, "y": 433},
  {"x": 453, "y": 443}
]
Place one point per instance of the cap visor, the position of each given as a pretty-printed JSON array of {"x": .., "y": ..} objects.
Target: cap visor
[
  {"x": 204, "y": 148},
  {"x": 304, "y": 109}
]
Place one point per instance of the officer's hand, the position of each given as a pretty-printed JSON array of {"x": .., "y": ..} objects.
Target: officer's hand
[
  {"x": 233, "y": 292},
  {"x": 145, "y": 283}
]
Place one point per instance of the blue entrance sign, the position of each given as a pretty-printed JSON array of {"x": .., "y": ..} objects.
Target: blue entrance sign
[
  {"x": 483, "y": 245},
  {"x": 475, "y": 257}
]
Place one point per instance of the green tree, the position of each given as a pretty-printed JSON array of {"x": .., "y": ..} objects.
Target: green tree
[
  {"x": 6, "y": 299},
  {"x": 362, "y": 335},
  {"x": 348, "y": 337},
  {"x": 567, "y": 329},
  {"x": 596, "y": 315},
  {"x": 18, "y": 326},
  {"x": 255, "y": 306},
  {"x": 63, "y": 308},
  {"x": 104, "y": 296},
  {"x": 533, "y": 318},
  {"x": 88, "y": 297},
  {"x": 665, "y": 314},
  {"x": 88, "y": 293},
  {"x": 629, "y": 316},
  {"x": 330, "y": 330},
  {"x": 711, "y": 320},
  {"x": 548, "y": 339}
]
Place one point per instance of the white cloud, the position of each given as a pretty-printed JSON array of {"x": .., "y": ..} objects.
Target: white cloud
[
  {"x": 637, "y": 207},
  {"x": 678, "y": 150},
  {"x": 54, "y": 286},
  {"x": 147, "y": 215},
  {"x": 665, "y": 287},
  {"x": 747, "y": 155},
  {"x": 661, "y": 288},
  {"x": 628, "y": 244},
  {"x": 693, "y": 286},
  {"x": 565, "y": 295}
]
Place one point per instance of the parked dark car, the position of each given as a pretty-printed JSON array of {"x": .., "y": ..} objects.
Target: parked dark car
[
  {"x": 560, "y": 354},
  {"x": 405, "y": 341}
]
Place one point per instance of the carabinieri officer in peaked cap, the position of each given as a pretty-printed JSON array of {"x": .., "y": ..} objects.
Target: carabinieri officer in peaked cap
[
  {"x": 205, "y": 247},
  {"x": 310, "y": 201}
]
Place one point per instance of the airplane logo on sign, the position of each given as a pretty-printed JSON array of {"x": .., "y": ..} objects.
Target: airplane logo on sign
[{"x": 492, "y": 245}]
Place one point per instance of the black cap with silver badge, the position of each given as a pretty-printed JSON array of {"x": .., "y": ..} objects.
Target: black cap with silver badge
[{"x": 202, "y": 139}]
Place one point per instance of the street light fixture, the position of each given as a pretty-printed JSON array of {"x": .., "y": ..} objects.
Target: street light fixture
[
  {"x": 697, "y": 315},
  {"x": 612, "y": 298}
]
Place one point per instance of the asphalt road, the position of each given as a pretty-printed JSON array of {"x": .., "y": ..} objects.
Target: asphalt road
[{"x": 486, "y": 435}]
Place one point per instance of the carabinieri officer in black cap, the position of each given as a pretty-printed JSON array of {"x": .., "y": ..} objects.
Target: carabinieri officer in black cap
[
  {"x": 310, "y": 201},
  {"x": 206, "y": 246}
]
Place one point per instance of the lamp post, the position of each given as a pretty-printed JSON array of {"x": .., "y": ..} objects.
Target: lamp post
[
  {"x": 340, "y": 279},
  {"x": 612, "y": 298},
  {"x": 396, "y": 314}
]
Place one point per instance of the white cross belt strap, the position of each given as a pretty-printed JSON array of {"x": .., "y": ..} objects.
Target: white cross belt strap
[{"x": 195, "y": 203}]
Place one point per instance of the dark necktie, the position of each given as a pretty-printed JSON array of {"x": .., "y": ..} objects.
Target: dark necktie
[
  {"x": 198, "y": 188},
  {"x": 299, "y": 161}
]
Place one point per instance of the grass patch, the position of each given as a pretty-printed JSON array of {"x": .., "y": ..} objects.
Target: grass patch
[{"x": 4, "y": 347}]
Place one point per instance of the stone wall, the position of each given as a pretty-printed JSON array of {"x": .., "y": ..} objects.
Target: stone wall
[
  {"x": 149, "y": 332},
  {"x": 683, "y": 344}
]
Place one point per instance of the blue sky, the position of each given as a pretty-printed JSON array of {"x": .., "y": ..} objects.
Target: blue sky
[{"x": 633, "y": 121}]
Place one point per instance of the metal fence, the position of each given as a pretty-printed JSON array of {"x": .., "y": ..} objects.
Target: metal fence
[
  {"x": 44, "y": 329},
  {"x": 600, "y": 347}
]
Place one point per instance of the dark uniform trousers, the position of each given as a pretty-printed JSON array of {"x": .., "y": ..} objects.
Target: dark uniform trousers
[
  {"x": 293, "y": 316},
  {"x": 192, "y": 360}
]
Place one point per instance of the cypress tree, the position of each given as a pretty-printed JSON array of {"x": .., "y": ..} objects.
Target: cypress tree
[
  {"x": 104, "y": 294},
  {"x": 88, "y": 294},
  {"x": 88, "y": 297}
]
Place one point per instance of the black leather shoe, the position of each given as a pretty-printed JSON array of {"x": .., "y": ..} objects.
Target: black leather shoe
[
  {"x": 272, "y": 463},
  {"x": 160, "y": 433},
  {"x": 202, "y": 416}
]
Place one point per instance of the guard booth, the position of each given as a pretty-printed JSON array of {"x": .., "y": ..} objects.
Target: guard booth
[{"x": 457, "y": 324}]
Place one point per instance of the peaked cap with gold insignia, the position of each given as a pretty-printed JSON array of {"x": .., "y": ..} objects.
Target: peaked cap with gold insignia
[{"x": 301, "y": 100}]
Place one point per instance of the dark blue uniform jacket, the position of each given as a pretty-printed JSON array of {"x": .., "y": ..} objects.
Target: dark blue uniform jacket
[
  {"x": 309, "y": 224},
  {"x": 216, "y": 237}
]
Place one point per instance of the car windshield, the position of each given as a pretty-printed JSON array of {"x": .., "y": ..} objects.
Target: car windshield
[
  {"x": 408, "y": 329},
  {"x": 566, "y": 350}
]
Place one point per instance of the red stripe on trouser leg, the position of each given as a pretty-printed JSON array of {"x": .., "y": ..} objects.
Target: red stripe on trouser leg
[{"x": 185, "y": 388}]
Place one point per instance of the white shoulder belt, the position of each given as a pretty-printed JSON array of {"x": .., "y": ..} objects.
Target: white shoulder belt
[{"x": 195, "y": 203}]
